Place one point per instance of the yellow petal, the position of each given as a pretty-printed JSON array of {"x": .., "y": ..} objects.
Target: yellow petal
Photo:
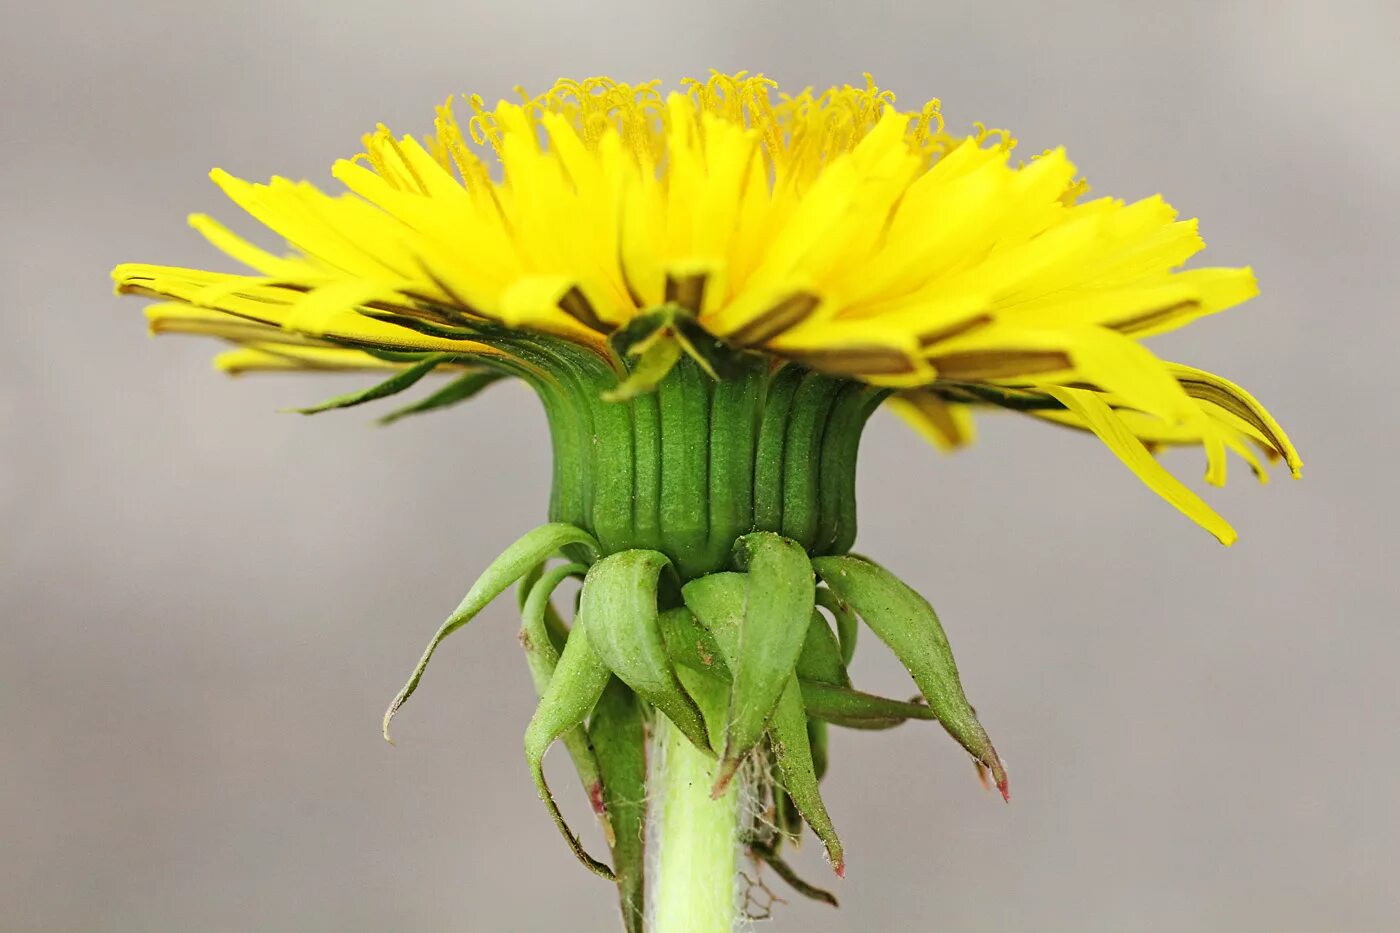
[
  {"x": 946, "y": 425},
  {"x": 286, "y": 358},
  {"x": 1106, "y": 425},
  {"x": 1224, "y": 394}
]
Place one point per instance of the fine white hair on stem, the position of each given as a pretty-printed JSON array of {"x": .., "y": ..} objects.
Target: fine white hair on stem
[{"x": 694, "y": 842}]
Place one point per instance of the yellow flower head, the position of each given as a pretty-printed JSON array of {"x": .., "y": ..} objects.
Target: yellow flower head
[{"x": 832, "y": 230}]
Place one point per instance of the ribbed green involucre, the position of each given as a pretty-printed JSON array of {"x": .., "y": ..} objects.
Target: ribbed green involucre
[{"x": 697, "y": 463}]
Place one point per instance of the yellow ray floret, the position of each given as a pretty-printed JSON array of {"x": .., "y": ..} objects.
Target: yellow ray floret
[{"x": 831, "y": 229}]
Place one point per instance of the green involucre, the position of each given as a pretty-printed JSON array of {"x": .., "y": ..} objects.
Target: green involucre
[{"x": 664, "y": 479}]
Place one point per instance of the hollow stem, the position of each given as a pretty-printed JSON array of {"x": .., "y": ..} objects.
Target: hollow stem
[{"x": 695, "y": 841}]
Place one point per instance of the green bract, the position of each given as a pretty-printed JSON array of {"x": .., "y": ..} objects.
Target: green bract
[{"x": 710, "y": 524}]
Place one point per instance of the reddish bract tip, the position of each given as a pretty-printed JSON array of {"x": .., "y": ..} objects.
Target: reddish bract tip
[
  {"x": 727, "y": 769},
  {"x": 595, "y": 797},
  {"x": 1005, "y": 787},
  {"x": 840, "y": 869}
]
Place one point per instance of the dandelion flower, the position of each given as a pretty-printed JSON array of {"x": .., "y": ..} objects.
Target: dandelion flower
[{"x": 711, "y": 290}]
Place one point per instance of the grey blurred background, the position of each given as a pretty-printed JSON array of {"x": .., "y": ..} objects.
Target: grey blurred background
[{"x": 206, "y": 605}]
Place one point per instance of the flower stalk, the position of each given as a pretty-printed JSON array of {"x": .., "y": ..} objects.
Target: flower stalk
[{"x": 695, "y": 868}]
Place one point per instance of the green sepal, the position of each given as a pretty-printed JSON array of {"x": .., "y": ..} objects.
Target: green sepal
[
  {"x": 579, "y": 680},
  {"x": 721, "y": 602},
  {"x": 554, "y": 625},
  {"x": 693, "y": 646},
  {"x": 793, "y": 750},
  {"x": 817, "y": 736},
  {"x": 776, "y": 616},
  {"x": 768, "y": 852},
  {"x": 458, "y": 390},
  {"x": 820, "y": 658},
  {"x": 642, "y": 328},
  {"x": 711, "y": 694},
  {"x": 394, "y": 356},
  {"x": 653, "y": 365},
  {"x": 907, "y": 623},
  {"x": 842, "y": 706},
  {"x": 717, "y": 601},
  {"x": 618, "y": 732},
  {"x": 786, "y": 816},
  {"x": 715, "y": 357},
  {"x": 846, "y": 623},
  {"x": 528, "y": 552},
  {"x": 542, "y": 658},
  {"x": 391, "y": 386},
  {"x": 673, "y": 323},
  {"x": 619, "y": 600}
]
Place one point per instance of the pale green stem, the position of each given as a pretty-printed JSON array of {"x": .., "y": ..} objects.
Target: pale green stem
[{"x": 695, "y": 843}]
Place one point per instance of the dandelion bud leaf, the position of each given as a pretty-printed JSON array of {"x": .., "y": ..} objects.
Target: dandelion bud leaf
[
  {"x": 846, "y": 622},
  {"x": 853, "y": 709},
  {"x": 826, "y": 693},
  {"x": 391, "y": 386},
  {"x": 817, "y": 734},
  {"x": 720, "y": 361},
  {"x": 578, "y": 681},
  {"x": 515, "y": 562},
  {"x": 785, "y": 814},
  {"x": 542, "y": 658},
  {"x": 639, "y": 333},
  {"x": 820, "y": 658},
  {"x": 793, "y": 750},
  {"x": 460, "y": 389},
  {"x": 768, "y": 853},
  {"x": 619, "y": 742},
  {"x": 650, "y": 368},
  {"x": 904, "y": 620},
  {"x": 619, "y": 601},
  {"x": 778, "y": 597},
  {"x": 691, "y": 645}
]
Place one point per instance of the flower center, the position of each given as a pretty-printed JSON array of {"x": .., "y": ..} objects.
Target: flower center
[{"x": 688, "y": 468}]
